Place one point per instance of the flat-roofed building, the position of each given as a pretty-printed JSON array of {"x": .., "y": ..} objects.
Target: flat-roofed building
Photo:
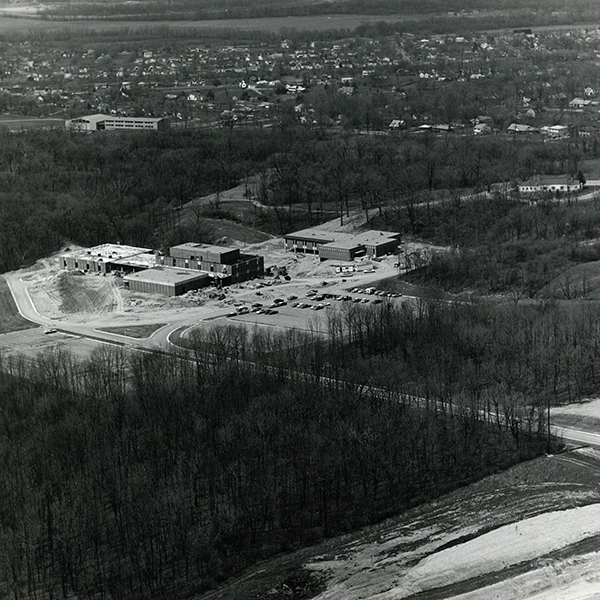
[
  {"x": 378, "y": 243},
  {"x": 108, "y": 257},
  {"x": 166, "y": 281},
  {"x": 99, "y": 122},
  {"x": 224, "y": 264},
  {"x": 220, "y": 265},
  {"x": 342, "y": 246},
  {"x": 200, "y": 253},
  {"x": 345, "y": 250},
  {"x": 307, "y": 240}
]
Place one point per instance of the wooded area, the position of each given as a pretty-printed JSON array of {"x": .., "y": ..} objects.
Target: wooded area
[
  {"x": 57, "y": 187},
  {"x": 158, "y": 475}
]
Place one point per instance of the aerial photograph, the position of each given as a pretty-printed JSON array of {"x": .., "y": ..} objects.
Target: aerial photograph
[{"x": 300, "y": 300}]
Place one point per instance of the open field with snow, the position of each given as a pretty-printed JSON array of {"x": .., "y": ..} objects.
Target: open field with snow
[{"x": 530, "y": 532}]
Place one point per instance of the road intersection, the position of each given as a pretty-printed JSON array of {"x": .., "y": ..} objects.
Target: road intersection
[{"x": 83, "y": 338}]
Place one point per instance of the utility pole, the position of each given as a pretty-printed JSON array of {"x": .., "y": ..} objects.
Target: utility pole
[{"x": 548, "y": 443}]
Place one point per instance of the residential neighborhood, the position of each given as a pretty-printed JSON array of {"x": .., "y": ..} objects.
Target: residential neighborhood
[{"x": 472, "y": 84}]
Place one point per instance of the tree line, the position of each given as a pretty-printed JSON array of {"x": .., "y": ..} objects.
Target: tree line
[
  {"x": 159, "y": 475},
  {"x": 58, "y": 186},
  {"x": 498, "y": 243}
]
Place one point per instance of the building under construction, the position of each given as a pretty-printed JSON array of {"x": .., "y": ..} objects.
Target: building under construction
[{"x": 187, "y": 266}]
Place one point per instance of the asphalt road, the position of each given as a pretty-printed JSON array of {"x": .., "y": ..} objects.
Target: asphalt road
[
  {"x": 577, "y": 437},
  {"x": 81, "y": 338}
]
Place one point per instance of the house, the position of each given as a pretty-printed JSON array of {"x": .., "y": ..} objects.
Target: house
[
  {"x": 579, "y": 103},
  {"x": 520, "y": 128},
  {"x": 397, "y": 124},
  {"x": 540, "y": 184},
  {"x": 555, "y": 131},
  {"x": 482, "y": 129}
]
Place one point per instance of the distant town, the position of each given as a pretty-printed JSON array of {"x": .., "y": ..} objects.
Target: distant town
[
  {"x": 517, "y": 82},
  {"x": 299, "y": 313}
]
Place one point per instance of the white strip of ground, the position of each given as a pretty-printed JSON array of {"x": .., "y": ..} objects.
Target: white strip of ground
[{"x": 506, "y": 546}]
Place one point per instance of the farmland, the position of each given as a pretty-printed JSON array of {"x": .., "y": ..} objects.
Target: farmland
[
  {"x": 20, "y": 123},
  {"x": 269, "y": 24}
]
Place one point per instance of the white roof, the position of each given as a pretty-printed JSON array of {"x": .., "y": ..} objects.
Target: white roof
[
  {"x": 99, "y": 117},
  {"x": 109, "y": 251},
  {"x": 166, "y": 275}
]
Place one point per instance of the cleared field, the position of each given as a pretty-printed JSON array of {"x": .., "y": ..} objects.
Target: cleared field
[
  {"x": 86, "y": 295},
  {"x": 16, "y": 123},
  {"x": 275, "y": 24},
  {"x": 440, "y": 550},
  {"x": 222, "y": 228},
  {"x": 10, "y": 319}
]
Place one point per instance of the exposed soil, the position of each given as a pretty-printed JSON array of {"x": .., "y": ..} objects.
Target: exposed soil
[{"x": 375, "y": 562}]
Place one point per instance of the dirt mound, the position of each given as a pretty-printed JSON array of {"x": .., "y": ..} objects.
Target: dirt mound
[{"x": 94, "y": 295}]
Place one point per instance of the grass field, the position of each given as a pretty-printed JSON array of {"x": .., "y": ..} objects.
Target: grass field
[
  {"x": 10, "y": 319},
  {"x": 18, "y": 123},
  {"x": 274, "y": 24},
  {"x": 134, "y": 331}
]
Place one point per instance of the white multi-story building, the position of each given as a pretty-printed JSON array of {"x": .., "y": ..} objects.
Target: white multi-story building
[{"x": 100, "y": 122}]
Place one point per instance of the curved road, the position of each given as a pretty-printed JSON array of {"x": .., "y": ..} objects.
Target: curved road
[
  {"x": 577, "y": 437},
  {"x": 91, "y": 337}
]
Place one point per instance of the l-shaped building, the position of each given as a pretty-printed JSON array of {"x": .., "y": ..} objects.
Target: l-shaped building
[{"x": 342, "y": 246}]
